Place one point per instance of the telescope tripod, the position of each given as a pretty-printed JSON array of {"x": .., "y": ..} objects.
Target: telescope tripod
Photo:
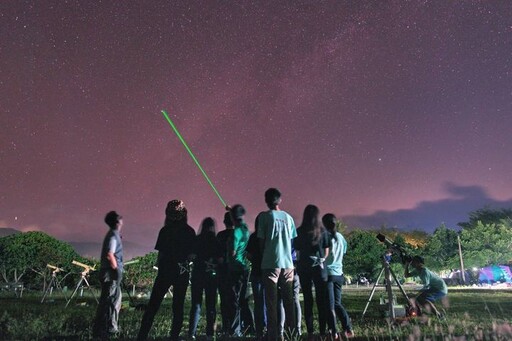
[
  {"x": 83, "y": 278},
  {"x": 54, "y": 284},
  {"x": 388, "y": 275}
]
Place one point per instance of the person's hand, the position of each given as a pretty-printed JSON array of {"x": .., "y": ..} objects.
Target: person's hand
[{"x": 228, "y": 208}]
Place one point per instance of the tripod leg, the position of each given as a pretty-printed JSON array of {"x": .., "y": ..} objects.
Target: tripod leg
[
  {"x": 90, "y": 289},
  {"x": 372, "y": 292},
  {"x": 75, "y": 291},
  {"x": 399, "y": 285},
  {"x": 48, "y": 289}
]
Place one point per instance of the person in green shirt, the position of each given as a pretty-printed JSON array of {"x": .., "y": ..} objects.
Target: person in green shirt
[
  {"x": 434, "y": 288},
  {"x": 239, "y": 268}
]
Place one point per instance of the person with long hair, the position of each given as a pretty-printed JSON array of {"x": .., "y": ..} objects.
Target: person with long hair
[
  {"x": 175, "y": 245},
  {"x": 312, "y": 246},
  {"x": 334, "y": 263},
  {"x": 204, "y": 278}
]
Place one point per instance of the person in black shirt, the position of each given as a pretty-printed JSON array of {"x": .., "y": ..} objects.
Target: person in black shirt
[
  {"x": 312, "y": 245},
  {"x": 254, "y": 255},
  {"x": 204, "y": 278},
  {"x": 226, "y": 296},
  {"x": 175, "y": 245}
]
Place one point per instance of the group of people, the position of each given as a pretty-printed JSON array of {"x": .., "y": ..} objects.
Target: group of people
[{"x": 277, "y": 259}]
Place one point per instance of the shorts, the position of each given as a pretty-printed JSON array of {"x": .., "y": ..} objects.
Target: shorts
[{"x": 430, "y": 295}]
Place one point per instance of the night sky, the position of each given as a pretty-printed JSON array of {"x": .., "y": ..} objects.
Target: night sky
[{"x": 382, "y": 112}]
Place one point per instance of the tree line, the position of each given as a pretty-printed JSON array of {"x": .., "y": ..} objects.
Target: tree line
[{"x": 485, "y": 239}]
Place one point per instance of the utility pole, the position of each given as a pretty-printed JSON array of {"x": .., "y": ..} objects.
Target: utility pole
[{"x": 461, "y": 261}]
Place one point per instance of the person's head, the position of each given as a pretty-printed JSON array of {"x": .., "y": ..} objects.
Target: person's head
[
  {"x": 207, "y": 226},
  {"x": 272, "y": 198},
  {"x": 418, "y": 262},
  {"x": 310, "y": 219},
  {"x": 228, "y": 222},
  {"x": 237, "y": 214},
  {"x": 114, "y": 220},
  {"x": 329, "y": 221},
  {"x": 175, "y": 212}
]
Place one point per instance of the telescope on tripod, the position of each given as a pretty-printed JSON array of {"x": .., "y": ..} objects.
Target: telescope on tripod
[
  {"x": 392, "y": 307},
  {"x": 54, "y": 282},
  {"x": 83, "y": 278}
]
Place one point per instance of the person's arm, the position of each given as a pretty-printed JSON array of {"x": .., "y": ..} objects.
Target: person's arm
[
  {"x": 112, "y": 245},
  {"x": 112, "y": 260}
]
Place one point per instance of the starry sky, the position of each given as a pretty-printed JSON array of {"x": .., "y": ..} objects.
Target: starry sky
[{"x": 382, "y": 112}]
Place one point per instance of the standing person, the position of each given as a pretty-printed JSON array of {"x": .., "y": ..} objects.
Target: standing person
[
  {"x": 175, "y": 245},
  {"x": 296, "y": 300},
  {"x": 111, "y": 275},
  {"x": 204, "y": 278},
  {"x": 223, "y": 273},
  {"x": 276, "y": 229},
  {"x": 312, "y": 246},
  {"x": 260, "y": 310},
  {"x": 433, "y": 289},
  {"x": 238, "y": 266},
  {"x": 334, "y": 263}
]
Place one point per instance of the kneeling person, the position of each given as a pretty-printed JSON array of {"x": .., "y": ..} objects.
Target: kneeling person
[{"x": 434, "y": 287}]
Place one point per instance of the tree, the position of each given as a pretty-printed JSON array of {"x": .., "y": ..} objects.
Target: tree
[
  {"x": 364, "y": 254},
  {"x": 488, "y": 216},
  {"x": 32, "y": 251},
  {"x": 441, "y": 250},
  {"x": 486, "y": 244},
  {"x": 142, "y": 273}
]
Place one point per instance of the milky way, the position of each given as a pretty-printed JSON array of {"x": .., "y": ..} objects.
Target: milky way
[{"x": 362, "y": 108}]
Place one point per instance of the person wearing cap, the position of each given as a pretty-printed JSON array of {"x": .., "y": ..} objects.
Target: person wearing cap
[
  {"x": 276, "y": 229},
  {"x": 238, "y": 266},
  {"x": 111, "y": 273},
  {"x": 175, "y": 245}
]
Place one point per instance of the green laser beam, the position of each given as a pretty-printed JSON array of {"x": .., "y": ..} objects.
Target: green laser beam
[{"x": 193, "y": 157}]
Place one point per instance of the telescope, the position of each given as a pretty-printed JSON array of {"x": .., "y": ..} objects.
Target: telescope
[
  {"x": 399, "y": 250},
  {"x": 54, "y": 268},
  {"x": 85, "y": 266},
  {"x": 135, "y": 261}
]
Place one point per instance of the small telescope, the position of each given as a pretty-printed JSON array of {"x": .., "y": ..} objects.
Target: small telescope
[
  {"x": 86, "y": 267},
  {"x": 404, "y": 256},
  {"x": 54, "y": 268},
  {"x": 135, "y": 261}
]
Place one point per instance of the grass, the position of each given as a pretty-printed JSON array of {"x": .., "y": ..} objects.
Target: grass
[{"x": 472, "y": 314}]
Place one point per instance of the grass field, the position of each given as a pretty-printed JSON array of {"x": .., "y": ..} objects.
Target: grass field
[{"x": 472, "y": 314}]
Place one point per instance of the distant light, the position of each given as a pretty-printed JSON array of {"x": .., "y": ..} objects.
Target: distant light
[
  {"x": 15, "y": 218},
  {"x": 475, "y": 269}
]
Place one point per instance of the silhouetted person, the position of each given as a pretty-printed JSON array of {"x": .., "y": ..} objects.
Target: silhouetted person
[
  {"x": 334, "y": 263},
  {"x": 111, "y": 275},
  {"x": 254, "y": 255},
  {"x": 204, "y": 278},
  {"x": 312, "y": 245},
  {"x": 223, "y": 274},
  {"x": 175, "y": 245},
  {"x": 276, "y": 229}
]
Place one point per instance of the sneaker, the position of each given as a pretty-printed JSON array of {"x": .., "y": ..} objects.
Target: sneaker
[{"x": 349, "y": 334}]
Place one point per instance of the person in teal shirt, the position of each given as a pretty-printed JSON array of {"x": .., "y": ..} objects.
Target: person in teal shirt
[
  {"x": 434, "y": 288},
  {"x": 276, "y": 229},
  {"x": 334, "y": 264}
]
